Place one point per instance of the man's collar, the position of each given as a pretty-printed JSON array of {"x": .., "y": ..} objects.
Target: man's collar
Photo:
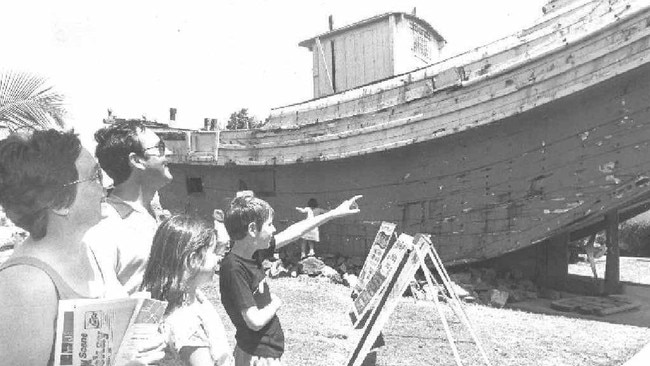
[{"x": 123, "y": 207}]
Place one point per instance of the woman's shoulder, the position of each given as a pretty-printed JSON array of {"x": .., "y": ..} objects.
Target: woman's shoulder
[
  {"x": 37, "y": 272},
  {"x": 23, "y": 283},
  {"x": 26, "y": 268},
  {"x": 20, "y": 270}
]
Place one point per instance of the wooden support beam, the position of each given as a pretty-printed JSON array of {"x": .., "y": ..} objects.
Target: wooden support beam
[
  {"x": 553, "y": 262},
  {"x": 558, "y": 261},
  {"x": 612, "y": 268}
]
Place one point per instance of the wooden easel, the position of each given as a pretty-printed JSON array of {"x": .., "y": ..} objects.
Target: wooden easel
[{"x": 397, "y": 269}]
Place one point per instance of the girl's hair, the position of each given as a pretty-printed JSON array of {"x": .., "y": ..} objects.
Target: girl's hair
[
  {"x": 312, "y": 203},
  {"x": 169, "y": 267}
]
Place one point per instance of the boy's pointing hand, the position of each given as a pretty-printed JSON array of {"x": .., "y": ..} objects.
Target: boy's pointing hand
[{"x": 348, "y": 207}]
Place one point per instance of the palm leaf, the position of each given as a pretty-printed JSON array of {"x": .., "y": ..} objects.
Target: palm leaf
[{"x": 27, "y": 103}]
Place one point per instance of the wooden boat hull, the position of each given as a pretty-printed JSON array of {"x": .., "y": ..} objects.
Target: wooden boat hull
[
  {"x": 487, "y": 164},
  {"x": 481, "y": 193}
]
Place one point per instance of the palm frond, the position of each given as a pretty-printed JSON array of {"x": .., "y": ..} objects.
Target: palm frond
[{"x": 27, "y": 103}]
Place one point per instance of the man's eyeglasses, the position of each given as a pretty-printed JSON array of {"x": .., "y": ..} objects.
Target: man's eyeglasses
[
  {"x": 160, "y": 146},
  {"x": 97, "y": 176}
]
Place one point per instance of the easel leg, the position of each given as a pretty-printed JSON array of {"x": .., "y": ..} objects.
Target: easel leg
[
  {"x": 437, "y": 262},
  {"x": 429, "y": 277}
]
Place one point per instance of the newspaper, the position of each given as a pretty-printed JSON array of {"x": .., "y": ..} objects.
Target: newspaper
[{"x": 102, "y": 332}]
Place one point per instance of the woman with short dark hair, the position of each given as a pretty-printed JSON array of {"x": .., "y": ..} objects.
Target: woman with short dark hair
[{"x": 50, "y": 186}]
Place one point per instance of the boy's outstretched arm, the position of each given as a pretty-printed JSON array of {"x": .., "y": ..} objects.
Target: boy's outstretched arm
[{"x": 295, "y": 231}]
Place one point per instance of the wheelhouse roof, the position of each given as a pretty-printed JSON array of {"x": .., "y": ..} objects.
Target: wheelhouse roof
[{"x": 309, "y": 42}]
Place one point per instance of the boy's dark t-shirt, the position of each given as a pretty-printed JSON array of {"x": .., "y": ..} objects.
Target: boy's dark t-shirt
[{"x": 242, "y": 284}]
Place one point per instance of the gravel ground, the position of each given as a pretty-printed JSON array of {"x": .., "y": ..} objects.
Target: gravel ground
[{"x": 318, "y": 332}]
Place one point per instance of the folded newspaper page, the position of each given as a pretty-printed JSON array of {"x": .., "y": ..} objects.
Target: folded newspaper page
[{"x": 99, "y": 332}]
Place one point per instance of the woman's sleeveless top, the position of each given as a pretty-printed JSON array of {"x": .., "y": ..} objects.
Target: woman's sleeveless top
[{"x": 63, "y": 290}]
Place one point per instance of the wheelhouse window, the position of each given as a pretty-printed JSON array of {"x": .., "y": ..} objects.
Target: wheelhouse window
[{"x": 421, "y": 42}]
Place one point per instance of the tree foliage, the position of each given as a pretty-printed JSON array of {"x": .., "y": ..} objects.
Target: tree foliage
[
  {"x": 26, "y": 102},
  {"x": 240, "y": 120}
]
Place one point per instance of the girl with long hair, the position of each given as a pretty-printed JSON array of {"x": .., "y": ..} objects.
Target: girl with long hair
[{"x": 185, "y": 255}]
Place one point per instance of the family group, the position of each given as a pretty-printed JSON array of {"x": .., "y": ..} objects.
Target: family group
[{"x": 86, "y": 241}]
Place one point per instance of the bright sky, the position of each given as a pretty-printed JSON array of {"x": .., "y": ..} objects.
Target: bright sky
[{"x": 207, "y": 58}]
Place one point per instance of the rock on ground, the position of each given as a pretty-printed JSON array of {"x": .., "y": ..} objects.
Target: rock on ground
[{"x": 312, "y": 266}]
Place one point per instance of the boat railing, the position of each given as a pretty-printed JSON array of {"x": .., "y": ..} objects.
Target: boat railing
[{"x": 554, "y": 31}]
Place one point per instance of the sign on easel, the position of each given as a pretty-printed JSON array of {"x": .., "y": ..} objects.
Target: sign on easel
[
  {"x": 384, "y": 272},
  {"x": 376, "y": 254},
  {"x": 407, "y": 264}
]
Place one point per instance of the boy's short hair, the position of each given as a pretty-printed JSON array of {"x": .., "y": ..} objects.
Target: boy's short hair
[{"x": 244, "y": 210}]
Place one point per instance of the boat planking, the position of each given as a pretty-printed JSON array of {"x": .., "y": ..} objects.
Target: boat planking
[{"x": 489, "y": 151}]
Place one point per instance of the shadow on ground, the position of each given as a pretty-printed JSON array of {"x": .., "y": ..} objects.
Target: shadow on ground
[{"x": 639, "y": 293}]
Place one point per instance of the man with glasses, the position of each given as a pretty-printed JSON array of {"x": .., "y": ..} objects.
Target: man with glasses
[{"x": 134, "y": 157}]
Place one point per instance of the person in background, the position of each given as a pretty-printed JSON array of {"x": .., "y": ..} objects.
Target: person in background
[
  {"x": 313, "y": 236},
  {"x": 134, "y": 157},
  {"x": 51, "y": 187},
  {"x": 245, "y": 293},
  {"x": 185, "y": 255},
  {"x": 220, "y": 228}
]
